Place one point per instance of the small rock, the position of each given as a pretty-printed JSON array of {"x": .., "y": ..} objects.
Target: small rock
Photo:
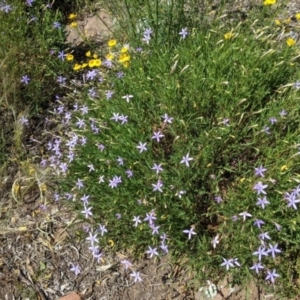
[
  {"x": 71, "y": 296},
  {"x": 93, "y": 27}
]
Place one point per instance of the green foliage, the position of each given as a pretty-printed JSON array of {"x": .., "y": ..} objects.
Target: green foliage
[
  {"x": 25, "y": 49},
  {"x": 226, "y": 85},
  {"x": 222, "y": 90}
]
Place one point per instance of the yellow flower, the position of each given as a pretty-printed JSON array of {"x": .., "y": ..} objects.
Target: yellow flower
[
  {"x": 124, "y": 57},
  {"x": 77, "y": 67},
  {"x": 124, "y": 49},
  {"x": 283, "y": 168},
  {"x": 287, "y": 21},
  {"x": 242, "y": 180},
  {"x": 97, "y": 62},
  {"x": 69, "y": 56},
  {"x": 110, "y": 56},
  {"x": 277, "y": 22},
  {"x": 228, "y": 35},
  {"x": 269, "y": 2},
  {"x": 84, "y": 65},
  {"x": 95, "y": 56},
  {"x": 126, "y": 64},
  {"x": 297, "y": 16},
  {"x": 88, "y": 54},
  {"x": 72, "y": 16},
  {"x": 73, "y": 24},
  {"x": 94, "y": 63},
  {"x": 43, "y": 187},
  {"x": 290, "y": 42},
  {"x": 112, "y": 43}
]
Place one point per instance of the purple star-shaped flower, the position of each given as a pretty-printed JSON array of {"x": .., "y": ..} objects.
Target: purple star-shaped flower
[
  {"x": 183, "y": 33},
  {"x": 150, "y": 218},
  {"x": 92, "y": 238},
  {"x": 80, "y": 123},
  {"x": 127, "y": 97},
  {"x": 185, "y": 160},
  {"x": 61, "y": 79},
  {"x": 157, "y": 186},
  {"x": 61, "y": 55},
  {"x": 25, "y": 79},
  {"x": 152, "y": 252},
  {"x": 218, "y": 199},
  {"x": 136, "y": 276},
  {"x": 245, "y": 214},
  {"x": 109, "y": 94},
  {"x": 292, "y": 201},
  {"x": 129, "y": 173},
  {"x": 6, "y": 8},
  {"x": 115, "y": 117},
  {"x": 85, "y": 199},
  {"x": 142, "y": 147},
  {"x": 154, "y": 229},
  {"x": 272, "y": 275},
  {"x": 167, "y": 119},
  {"x": 91, "y": 74},
  {"x": 29, "y": 2},
  {"x": 102, "y": 229},
  {"x": 260, "y": 252},
  {"x": 262, "y": 202},
  {"x": 157, "y": 168},
  {"x": 258, "y": 223},
  {"x": 75, "y": 269},
  {"x": 120, "y": 161},
  {"x": 56, "y": 25},
  {"x": 273, "y": 120},
  {"x": 157, "y": 136},
  {"x": 257, "y": 266},
  {"x": 273, "y": 250},
  {"x": 260, "y": 171},
  {"x": 79, "y": 184},
  {"x": 127, "y": 264},
  {"x": 87, "y": 211},
  {"x": 227, "y": 263},
  {"x": 189, "y": 232},
  {"x": 264, "y": 235},
  {"x": 260, "y": 188},
  {"x": 283, "y": 113},
  {"x": 123, "y": 119},
  {"x": 136, "y": 220},
  {"x": 215, "y": 241}
]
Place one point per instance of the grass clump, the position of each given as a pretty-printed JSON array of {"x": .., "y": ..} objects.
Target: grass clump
[
  {"x": 185, "y": 141},
  {"x": 31, "y": 34}
]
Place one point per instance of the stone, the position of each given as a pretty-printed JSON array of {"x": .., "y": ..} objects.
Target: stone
[
  {"x": 71, "y": 296},
  {"x": 96, "y": 27}
]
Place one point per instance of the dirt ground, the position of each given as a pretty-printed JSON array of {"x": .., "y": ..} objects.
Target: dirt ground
[{"x": 37, "y": 247}]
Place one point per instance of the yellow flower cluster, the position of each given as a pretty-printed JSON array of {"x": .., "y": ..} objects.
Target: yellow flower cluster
[
  {"x": 122, "y": 55},
  {"x": 269, "y": 2},
  {"x": 72, "y": 18},
  {"x": 93, "y": 62}
]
